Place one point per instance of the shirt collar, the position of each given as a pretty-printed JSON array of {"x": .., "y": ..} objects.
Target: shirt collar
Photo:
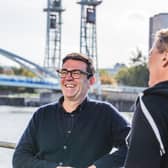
[{"x": 79, "y": 108}]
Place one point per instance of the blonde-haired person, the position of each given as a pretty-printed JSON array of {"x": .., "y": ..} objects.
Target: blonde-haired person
[
  {"x": 148, "y": 141},
  {"x": 76, "y": 131}
]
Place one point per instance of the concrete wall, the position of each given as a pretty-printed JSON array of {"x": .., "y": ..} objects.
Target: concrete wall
[
  {"x": 123, "y": 101},
  {"x": 12, "y": 101}
]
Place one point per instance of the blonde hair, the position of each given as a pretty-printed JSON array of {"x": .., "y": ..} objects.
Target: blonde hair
[{"x": 161, "y": 40}]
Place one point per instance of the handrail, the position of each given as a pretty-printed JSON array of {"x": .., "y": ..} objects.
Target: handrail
[{"x": 10, "y": 145}]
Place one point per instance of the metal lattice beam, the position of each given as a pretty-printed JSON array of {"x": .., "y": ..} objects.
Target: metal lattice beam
[{"x": 53, "y": 36}]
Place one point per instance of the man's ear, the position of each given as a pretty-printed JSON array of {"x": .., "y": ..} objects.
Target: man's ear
[
  {"x": 92, "y": 80},
  {"x": 165, "y": 60}
]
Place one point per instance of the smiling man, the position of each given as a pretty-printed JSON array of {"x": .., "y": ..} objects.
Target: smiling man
[{"x": 76, "y": 131}]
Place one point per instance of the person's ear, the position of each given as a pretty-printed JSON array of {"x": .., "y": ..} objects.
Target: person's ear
[
  {"x": 165, "y": 59},
  {"x": 92, "y": 80}
]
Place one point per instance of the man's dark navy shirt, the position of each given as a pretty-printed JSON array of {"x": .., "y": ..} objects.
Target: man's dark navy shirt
[{"x": 84, "y": 137}]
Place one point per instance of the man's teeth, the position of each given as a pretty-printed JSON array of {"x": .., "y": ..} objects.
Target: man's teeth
[{"x": 69, "y": 85}]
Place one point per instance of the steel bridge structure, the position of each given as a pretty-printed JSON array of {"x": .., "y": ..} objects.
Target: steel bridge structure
[
  {"x": 53, "y": 34},
  {"x": 88, "y": 33},
  {"x": 44, "y": 78}
]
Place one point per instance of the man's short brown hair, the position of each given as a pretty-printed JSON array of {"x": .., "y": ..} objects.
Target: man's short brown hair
[{"x": 83, "y": 58}]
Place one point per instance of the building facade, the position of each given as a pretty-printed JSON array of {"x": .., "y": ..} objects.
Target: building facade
[{"x": 157, "y": 22}]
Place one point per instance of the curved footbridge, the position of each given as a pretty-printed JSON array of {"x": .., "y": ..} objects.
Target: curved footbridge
[{"x": 44, "y": 78}]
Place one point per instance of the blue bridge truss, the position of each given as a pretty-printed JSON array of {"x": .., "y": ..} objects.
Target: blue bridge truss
[{"x": 45, "y": 79}]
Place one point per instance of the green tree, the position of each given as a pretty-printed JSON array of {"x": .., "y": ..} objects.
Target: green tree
[
  {"x": 136, "y": 74},
  {"x": 23, "y": 72},
  {"x": 137, "y": 58},
  {"x": 106, "y": 78},
  {"x": 16, "y": 71}
]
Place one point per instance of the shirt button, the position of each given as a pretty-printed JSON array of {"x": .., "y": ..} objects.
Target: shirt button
[
  {"x": 65, "y": 147},
  {"x": 72, "y": 115},
  {"x": 60, "y": 163}
]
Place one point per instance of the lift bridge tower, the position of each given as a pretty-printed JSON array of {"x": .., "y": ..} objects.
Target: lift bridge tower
[
  {"x": 53, "y": 36},
  {"x": 88, "y": 34}
]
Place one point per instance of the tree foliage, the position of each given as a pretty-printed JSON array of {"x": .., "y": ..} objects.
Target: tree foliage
[
  {"x": 23, "y": 72},
  {"x": 133, "y": 76},
  {"x": 106, "y": 78},
  {"x": 137, "y": 58},
  {"x": 16, "y": 71},
  {"x": 136, "y": 74}
]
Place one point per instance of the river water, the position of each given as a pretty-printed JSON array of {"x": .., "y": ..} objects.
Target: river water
[{"x": 13, "y": 121}]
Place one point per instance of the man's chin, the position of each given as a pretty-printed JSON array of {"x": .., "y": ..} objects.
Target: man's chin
[{"x": 70, "y": 97}]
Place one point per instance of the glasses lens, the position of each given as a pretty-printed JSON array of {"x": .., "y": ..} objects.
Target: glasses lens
[
  {"x": 62, "y": 73},
  {"x": 76, "y": 74}
]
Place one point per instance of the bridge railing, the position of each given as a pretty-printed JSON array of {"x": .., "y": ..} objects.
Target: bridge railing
[
  {"x": 9, "y": 145},
  {"x": 129, "y": 89},
  {"x": 29, "y": 82}
]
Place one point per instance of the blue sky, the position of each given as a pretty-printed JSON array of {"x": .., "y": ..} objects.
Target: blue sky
[{"x": 121, "y": 27}]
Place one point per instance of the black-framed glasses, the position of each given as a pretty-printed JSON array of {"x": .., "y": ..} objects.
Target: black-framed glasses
[{"x": 75, "y": 73}]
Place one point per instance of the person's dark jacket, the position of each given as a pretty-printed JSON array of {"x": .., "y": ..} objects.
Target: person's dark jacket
[
  {"x": 144, "y": 148},
  {"x": 98, "y": 128}
]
